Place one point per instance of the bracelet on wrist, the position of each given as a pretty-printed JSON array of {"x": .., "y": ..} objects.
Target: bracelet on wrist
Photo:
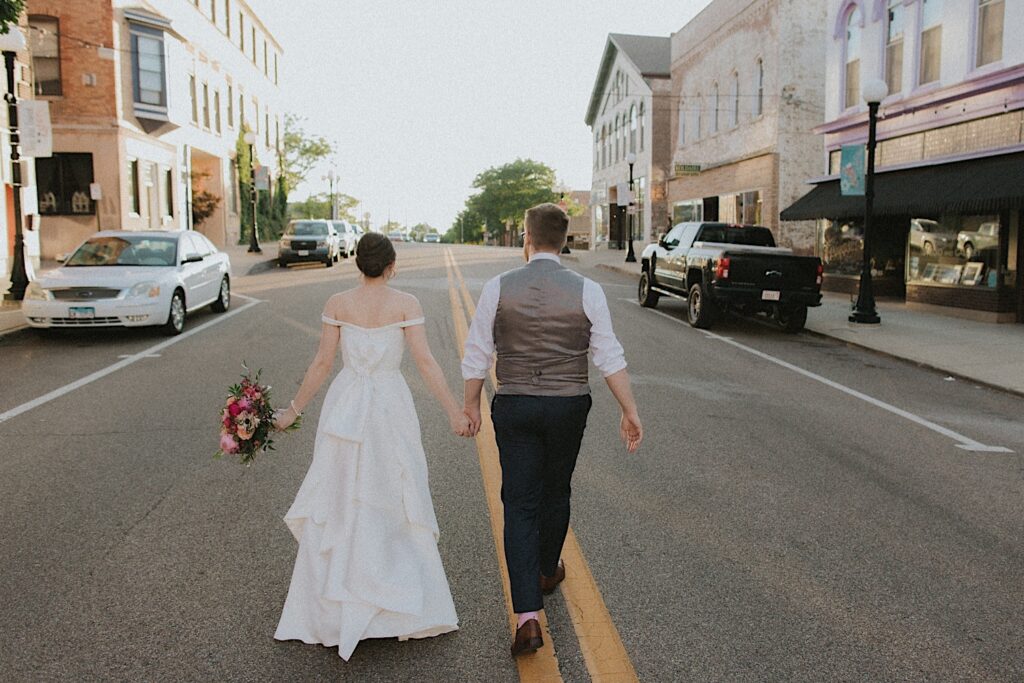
[{"x": 295, "y": 410}]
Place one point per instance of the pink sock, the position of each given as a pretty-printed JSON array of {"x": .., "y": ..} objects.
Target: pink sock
[{"x": 526, "y": 616}]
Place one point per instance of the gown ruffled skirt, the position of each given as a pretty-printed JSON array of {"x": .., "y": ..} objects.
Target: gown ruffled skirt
[{"x": 367, "y": 564}]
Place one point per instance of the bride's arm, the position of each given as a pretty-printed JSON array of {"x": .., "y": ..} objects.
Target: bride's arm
[
  {"x": 318, "y": 371},
  {"x": 433, "y": 377}
]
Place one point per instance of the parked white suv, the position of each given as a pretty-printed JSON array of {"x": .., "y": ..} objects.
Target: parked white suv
[{"x": 348, "y": 238}]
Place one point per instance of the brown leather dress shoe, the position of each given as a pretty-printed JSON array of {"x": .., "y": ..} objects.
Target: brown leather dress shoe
[
  {"x": 549, "y": 583},
  {"x": 528, "y": 639}
]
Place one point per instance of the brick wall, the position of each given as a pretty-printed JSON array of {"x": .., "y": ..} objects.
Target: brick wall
[
  {"x": 84, "y": 24},
  {"x": 1000, "y": 300}
]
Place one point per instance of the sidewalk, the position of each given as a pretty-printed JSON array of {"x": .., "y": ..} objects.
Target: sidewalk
[
  {"x": 242, "y": 263},
  {"x": 988, "y": 353}
]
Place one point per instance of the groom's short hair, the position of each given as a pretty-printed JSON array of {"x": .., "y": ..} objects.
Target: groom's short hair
[{"x": 548, "y": 226}]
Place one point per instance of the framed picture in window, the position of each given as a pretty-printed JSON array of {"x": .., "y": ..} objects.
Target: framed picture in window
[
  {"x": 949, "y": 275},
  {"x": 973, "y": 273}
]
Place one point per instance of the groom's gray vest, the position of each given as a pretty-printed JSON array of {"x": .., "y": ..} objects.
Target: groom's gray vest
[{"x": 541, "y": 332}]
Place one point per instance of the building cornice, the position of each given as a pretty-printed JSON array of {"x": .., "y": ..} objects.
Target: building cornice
[{"x": 978, "y": 85}]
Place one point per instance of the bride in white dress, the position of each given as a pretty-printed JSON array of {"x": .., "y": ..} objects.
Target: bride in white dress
[{"x": 367, "y": 564}]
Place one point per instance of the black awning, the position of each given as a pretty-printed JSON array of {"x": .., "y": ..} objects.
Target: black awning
[{"x": 974, "y": 186}]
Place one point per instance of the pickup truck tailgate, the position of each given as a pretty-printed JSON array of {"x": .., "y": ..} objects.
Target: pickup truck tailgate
[{"x": 773, "y": 272}]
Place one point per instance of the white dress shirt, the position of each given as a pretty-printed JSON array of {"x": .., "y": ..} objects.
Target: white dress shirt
[{"x": 605, "y": 349}]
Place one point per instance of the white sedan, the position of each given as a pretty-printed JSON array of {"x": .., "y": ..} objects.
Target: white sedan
[{"x": 131, "y": 279}]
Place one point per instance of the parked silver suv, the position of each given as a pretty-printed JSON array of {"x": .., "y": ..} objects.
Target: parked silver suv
[{"x": 309, "y": 240}]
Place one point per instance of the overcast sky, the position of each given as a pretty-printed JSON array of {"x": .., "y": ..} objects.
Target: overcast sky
[{"x": 420, "y": 96}]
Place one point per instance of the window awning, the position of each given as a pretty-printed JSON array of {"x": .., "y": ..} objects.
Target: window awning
[{"x": 974, "y": 186}]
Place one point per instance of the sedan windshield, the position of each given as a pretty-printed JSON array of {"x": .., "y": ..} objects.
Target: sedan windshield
[
  {"x": 126, "y": 250},
  {"x": 308, "y": 228}
]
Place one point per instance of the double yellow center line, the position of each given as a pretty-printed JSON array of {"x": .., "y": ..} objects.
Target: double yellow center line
[{"x": 599, "y": 641}]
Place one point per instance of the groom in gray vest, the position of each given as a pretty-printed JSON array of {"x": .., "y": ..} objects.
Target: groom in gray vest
[{"x": 542, "y": 320}]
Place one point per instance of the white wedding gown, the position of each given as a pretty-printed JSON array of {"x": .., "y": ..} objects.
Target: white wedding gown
[{"x": 367, "y": 564}]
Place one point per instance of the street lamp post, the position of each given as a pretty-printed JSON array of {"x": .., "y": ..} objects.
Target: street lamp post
[
  {"x": 630, "y": 256},
  {"x": 11, "y": 43},
  {"x": 864, "y": 310},
  {"x": 330, "y": 179},
  {"x": 254, "y": 243}
]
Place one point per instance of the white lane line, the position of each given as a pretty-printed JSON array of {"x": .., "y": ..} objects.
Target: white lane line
[
  {"x": 121, "y": 364},
  {"x": 963, "y": 442},
  {"x": 129, "y": 355}
]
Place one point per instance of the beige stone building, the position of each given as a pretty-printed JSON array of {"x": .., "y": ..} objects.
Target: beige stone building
[
  {"x": 629, "y": 112},
  {"x": 147, "y": 100},
  {"x": 747, "y": 92}
]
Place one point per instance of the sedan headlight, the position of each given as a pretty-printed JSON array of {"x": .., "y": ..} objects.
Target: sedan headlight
[
  {"x": 35, "y": 292},
  {"x": 144, "y": 290}
]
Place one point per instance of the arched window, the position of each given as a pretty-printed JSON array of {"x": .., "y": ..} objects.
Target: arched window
[
  {"x": 617, "y": 131},
  {"x": 894, "y": 46},
  {"x": 854, "y": 26},
  {"x": 682, "y": 122},
  {"x": 632, "y": 129},
  {"x": 604, "y": 145},
  {"x": 643, "y": 125},
  {"x": 714, "y": 108},
  {"x": 735, "y": 118},
  {"x": 990, "y": 31},
  {"x": 700, "y": 116},
  {"x": 759, "y": 88},
  {"x": 931, "y": 41}
]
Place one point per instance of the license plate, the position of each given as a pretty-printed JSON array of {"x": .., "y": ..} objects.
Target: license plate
[
  {"x": 770, "y": 296},
  {"x": 303, "y": 252},
  {"x": 81, "y": 313}
]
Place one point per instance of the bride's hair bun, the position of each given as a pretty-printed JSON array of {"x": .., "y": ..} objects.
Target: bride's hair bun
[{"x": 374, "y": 254}]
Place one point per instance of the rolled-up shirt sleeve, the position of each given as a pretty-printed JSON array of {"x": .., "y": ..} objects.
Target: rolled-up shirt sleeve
[
  {"x": 479, "y": 352},
  {"x": 605, "y": 349}
]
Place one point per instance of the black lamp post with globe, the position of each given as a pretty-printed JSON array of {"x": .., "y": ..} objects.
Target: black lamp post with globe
[
  {"x": 254, "y": 243},
  {"x": 630, "y": 255}
]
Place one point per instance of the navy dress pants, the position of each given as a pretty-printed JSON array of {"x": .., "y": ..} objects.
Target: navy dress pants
[{"x": 538, "y": 441}]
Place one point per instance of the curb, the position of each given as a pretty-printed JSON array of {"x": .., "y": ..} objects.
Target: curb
[
  {"x": 18, "y": 326},
  {"x": 921, "y": 364},
  {"x": 261, "y": 267}
]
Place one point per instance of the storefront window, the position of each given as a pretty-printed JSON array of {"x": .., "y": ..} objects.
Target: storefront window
[
  {"x": 955, "y": 251},
  {"x": 690, "y": 211},
  {"x": 841, "y": 246}
]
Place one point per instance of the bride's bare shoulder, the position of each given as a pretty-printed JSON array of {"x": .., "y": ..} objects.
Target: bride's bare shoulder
[
  {"x": 338, "y": 302},
  {"x": 408, "y": 303}
]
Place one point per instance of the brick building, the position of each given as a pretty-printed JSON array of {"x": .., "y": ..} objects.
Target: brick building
[
  {"x": 148, "y": 100},
  {"x": 747, "y": 90},
  {"x": 628, "y": 112},
  {"x": 950, "y": 156}
]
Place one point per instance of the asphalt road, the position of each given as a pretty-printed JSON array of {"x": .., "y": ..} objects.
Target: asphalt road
[{"x": 773, "y": 527}]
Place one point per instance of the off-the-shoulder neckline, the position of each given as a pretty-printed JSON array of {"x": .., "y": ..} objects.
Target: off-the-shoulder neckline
[{"x": 399, "y": 323}]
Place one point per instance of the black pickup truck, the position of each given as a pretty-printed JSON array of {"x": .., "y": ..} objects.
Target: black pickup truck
[{"x": 720, "y": 267}]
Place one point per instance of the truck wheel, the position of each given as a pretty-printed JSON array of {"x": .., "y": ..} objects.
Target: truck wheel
[
  {"x": 699, "y": 308},
  {"x": 792, "y": 320},
  {"x": 647, "y": 296}
]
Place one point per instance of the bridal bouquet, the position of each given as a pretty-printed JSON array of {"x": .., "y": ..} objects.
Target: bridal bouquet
[{"x": 247, "y": 419}]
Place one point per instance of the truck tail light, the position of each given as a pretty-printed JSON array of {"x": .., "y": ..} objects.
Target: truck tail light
[
  {"x": 821, "y": 271},
  {"x": 722, "y": 269}
]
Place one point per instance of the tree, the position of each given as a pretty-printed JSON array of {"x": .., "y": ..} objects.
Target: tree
[
  {"x": 300, "y": 152},
  {"x": 467, "y": 227},
  {"x": 506, "y": 192},
  {"x": 419, "y": 230},
  {"x": 10, "y": 12},
  {"x": 319, "y": 206}
]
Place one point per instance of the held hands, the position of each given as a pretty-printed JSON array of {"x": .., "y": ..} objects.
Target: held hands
[
  {"x": 631, "y": 430},
  {"x": 460, "y": 424}
]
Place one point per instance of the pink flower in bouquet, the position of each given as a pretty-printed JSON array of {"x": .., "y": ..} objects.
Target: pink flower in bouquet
[
  {"x": 234, "y": 409},
  {"x": 228, "y": 444},
  {"x": 245, "y": 404}
]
